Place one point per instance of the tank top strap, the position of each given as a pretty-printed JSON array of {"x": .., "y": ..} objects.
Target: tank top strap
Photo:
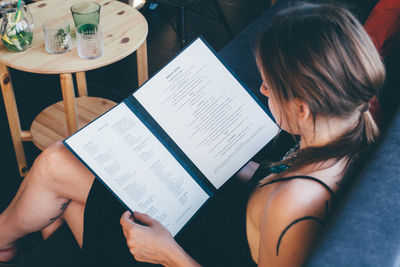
[
  {"x": 301, "y": 177},
  {"x": 319, "y": 220}
]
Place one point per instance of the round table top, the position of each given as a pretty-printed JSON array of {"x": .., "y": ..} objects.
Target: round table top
[{"x": 124, "y": 30}]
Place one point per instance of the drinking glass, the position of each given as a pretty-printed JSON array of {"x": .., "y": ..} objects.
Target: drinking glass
[
  {"x": 85, "y": 13},
  {"x": 89, "y": 41},
  {"x": 57, "y": 37}
]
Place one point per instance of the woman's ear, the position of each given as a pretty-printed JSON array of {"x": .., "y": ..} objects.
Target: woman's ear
[{"x": 303, "y": 110}]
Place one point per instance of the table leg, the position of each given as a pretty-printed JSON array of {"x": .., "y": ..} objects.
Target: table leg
[
  {"x": 71, "y": 115},
  {"x": 142, "y": 68},
  {"x": 81, "y": 82},
  {"x": 13, "y": 118}
]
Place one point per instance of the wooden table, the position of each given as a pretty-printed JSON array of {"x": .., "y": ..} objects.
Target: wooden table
[{"x": 124, "y": 32}]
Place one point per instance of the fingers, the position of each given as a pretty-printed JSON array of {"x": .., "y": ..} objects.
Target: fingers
[
  {"x": 144, "y": 218},
  {"x": 127, "y": 220},
  {"x": 146, "y": 238},
  {"x": 138, "y": 220}
]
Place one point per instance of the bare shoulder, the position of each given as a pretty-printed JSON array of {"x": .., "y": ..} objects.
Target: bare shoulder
[
  {"x": 292, "y": 218},
  {"x": 307, "y": 188},
  {"x": 298, "y": 197}
]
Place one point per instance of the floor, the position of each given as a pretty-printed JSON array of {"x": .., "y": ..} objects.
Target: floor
[{"x": 34, "y": 92}]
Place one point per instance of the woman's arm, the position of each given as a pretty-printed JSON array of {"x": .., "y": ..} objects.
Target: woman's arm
[{"x": 149, "y": 241}]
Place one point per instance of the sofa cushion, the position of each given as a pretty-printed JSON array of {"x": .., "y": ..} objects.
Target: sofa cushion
[{"x": 380, "y": 23}]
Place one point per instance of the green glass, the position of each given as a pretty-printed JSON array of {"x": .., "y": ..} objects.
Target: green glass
[{"x": 85, "y": 13}]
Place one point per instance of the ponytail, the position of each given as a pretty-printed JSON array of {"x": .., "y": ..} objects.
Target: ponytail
[
  {"x": 370, "y": 126},
  {"x": 350, "y": 145}
]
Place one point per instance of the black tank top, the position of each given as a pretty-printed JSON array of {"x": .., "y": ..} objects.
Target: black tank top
[{"x": 215, "y": 237}]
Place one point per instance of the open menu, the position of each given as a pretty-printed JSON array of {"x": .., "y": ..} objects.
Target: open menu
[{"x": 168, "y": 147}]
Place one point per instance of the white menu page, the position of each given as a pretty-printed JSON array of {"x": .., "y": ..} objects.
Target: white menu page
[
  {"x": 131, "y": 161},
  {"x": 207, "y": 112}
]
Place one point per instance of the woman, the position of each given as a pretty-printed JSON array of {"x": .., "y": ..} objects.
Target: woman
[{"x": 319, "y": 70}]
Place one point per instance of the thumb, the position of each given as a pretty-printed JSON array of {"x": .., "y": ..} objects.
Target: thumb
[
  {"x": 127, "y": 219},
  {"x": 144, "y": 218}
]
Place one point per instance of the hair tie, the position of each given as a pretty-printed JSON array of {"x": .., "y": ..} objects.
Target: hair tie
[{"x": 364, "y": 107}]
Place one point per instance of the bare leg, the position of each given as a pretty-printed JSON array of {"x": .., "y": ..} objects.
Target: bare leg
[
  {"x": 74, "y": 218},
  {"x": 50, "y": 229},
  {"x": 56, "y": 183},
  {"x": 73, "y": 215}
]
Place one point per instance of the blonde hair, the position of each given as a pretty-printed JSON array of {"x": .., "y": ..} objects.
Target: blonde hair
[{"x": 320, "y": 53}]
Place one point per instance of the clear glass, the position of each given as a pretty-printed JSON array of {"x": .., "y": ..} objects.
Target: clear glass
[
  {"x": 16, "y": 27},
  {"x": 57, "y": 37},
  {"x": 86, "y": 13},
  {"x": 89, "y": 41}
]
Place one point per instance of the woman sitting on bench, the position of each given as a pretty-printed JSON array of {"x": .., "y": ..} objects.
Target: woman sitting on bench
[{"x": 319, "y": 70}]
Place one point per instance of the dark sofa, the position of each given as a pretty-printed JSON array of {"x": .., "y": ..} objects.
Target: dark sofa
[{"x": 365, "y": 229}]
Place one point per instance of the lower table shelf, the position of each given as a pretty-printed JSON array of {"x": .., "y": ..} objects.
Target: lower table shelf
[{"x": 50, "y": 125}]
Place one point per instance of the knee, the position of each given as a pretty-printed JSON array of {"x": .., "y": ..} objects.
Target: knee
[
  {"x": 51, "y": 161},
  {"x": 55, "y": 155}
]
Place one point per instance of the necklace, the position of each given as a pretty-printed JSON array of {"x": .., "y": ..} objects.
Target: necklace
[{"x": 284, "y": 166}]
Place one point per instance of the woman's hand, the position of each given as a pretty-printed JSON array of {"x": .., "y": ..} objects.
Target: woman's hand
[{"x": 147, "y": 239}]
